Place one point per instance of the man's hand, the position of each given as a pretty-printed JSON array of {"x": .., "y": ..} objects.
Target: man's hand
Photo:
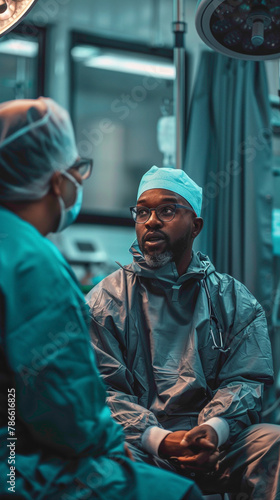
[
  {"x": 196, "y": 448},
  {"x": 202, "y": 441},
  {"x": 201, "y": 436},
  {"x": 171, "y": 445}
]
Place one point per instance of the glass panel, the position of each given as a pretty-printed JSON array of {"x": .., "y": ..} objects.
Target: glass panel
[
  {"x": 19, "y": 57},
  {"x": 118, "y": 98}
]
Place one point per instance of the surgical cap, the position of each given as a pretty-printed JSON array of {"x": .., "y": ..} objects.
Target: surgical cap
[
  {"x": 36, "y": 139},
  {"x": 173, "y": 180}
]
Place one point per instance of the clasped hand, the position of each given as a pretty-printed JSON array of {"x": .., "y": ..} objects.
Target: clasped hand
[{"x": 195, "y": 449}]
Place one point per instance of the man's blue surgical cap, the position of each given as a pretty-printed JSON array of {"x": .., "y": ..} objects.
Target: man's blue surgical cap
[
  {"x": 173, "y": 180},
  {"x": 36, "y": 139}
]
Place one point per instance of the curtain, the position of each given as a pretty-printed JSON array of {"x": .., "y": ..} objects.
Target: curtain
[{"x": 229, "y": 154}]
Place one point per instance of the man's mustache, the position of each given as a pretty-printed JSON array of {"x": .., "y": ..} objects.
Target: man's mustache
[{"x": 153, "y": 235}]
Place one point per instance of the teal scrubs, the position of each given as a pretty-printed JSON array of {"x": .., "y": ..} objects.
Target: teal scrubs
[{"x": 65, "y": 444}]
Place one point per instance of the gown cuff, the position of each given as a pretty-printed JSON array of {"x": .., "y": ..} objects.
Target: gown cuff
[
  {"x": 221, "y": 427},
  {"x": 151, "y": 439}
]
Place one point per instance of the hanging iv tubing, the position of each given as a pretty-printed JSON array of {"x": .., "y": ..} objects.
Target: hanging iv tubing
[{"x": 179, "y": 29}]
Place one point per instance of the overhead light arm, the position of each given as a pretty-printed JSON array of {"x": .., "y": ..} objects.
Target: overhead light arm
[
  {"x": 179, "y": 29},
  {"x": 12, "y": 12}
]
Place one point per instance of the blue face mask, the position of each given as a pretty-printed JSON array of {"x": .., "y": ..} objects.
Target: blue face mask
[{"x": 68, "y": 215}]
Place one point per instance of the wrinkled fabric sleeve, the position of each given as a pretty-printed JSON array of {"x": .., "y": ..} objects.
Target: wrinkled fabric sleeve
[
  {"x": 124, "y": 404},
  {"x": 247, "y": 367}
]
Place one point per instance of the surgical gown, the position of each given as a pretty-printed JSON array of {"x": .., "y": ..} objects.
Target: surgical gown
[
  {"x": 176, "y": 351},
  {"x": 63, "y": 442}
]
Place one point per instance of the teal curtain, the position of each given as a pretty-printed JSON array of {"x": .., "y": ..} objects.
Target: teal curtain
[{"x": 229, "y": 154}]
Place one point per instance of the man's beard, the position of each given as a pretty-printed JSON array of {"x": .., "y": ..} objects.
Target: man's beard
[
  {"x": 172, "y": 252},
  {"x": 158, "y": 260}
]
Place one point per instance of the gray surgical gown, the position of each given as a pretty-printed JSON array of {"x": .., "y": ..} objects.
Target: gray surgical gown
[{"x": 177, "y": 351}]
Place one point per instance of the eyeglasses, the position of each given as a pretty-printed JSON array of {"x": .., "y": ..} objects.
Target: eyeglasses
[
  {"x": 84, "y": 167},
  {"x": 165, "y": 213}
]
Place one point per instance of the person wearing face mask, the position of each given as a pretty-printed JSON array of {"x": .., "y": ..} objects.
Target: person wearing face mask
[{"x": 57, "y": 437}]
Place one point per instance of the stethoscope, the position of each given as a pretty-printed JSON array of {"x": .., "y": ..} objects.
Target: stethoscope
[{"x": 213, "y": 318}]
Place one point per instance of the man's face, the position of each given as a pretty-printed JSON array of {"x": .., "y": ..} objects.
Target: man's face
[{"x": 161, "y": 242}]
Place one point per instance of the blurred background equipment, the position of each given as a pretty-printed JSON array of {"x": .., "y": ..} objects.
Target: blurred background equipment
[
  {"x": 166, "y": 134},
  {"x": 93, "y": 250}
]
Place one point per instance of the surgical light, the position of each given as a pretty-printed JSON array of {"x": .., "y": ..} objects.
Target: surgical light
[
  {"x": 245, "y": 29},
  {"x": 12, "y": 12}
]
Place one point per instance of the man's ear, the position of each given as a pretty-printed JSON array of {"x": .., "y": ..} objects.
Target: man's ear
[
  {"x": 197, "y": 226},
  {"x": 56, "y": 183}
]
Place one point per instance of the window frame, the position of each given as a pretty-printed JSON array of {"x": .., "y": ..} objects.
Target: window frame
[
  {"x": 40, "y": 33},
  {"x": 78, "y": 38}
]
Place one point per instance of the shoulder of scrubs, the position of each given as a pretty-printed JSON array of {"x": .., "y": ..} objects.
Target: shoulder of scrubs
[
  {"x": 47, "y": 345},
  {"x": 34, "y": 266}
]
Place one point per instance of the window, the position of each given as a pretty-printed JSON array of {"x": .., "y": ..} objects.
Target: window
[
  {"x": 21, "y": 61},
  {"x": 119, "y": 92}
]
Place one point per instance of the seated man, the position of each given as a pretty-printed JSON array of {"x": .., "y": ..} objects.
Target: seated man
[
  {"x": 58, "y": 440},
  {"x": 184, "y": 351}
]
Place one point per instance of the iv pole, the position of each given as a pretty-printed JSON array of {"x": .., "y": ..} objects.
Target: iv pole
[{"x": 179, "y": 29}]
